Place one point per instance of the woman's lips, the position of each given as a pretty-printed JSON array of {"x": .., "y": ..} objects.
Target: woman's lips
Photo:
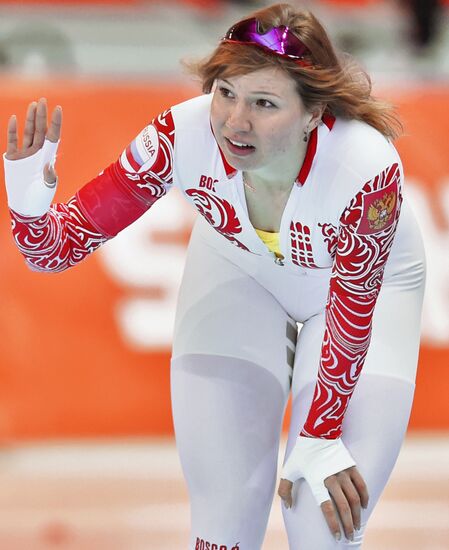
[{"x": 239, "y": 151}]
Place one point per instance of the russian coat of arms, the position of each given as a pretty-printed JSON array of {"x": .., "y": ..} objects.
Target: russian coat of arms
[{"x": 381, "y": 211}]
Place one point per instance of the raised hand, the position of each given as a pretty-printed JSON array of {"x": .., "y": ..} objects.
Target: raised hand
[{"x": 35, "y": 132}]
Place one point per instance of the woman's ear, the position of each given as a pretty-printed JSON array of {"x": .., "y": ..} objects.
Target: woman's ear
[{"x": 315, "y": 115}]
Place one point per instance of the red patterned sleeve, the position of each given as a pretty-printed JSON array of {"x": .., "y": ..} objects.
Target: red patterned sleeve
[
  {"x": 118, "y": 196},
  {"x": 366, "y": 233}
]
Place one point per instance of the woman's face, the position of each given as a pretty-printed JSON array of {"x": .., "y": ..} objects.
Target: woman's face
[{"x": 259, "y": 120}]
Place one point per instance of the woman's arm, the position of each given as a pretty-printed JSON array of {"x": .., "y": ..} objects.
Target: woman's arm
[
  {"x": 367, "y": 229},
  {"x": 366, "y": 233},
  {"x": 53, "y": 238}
]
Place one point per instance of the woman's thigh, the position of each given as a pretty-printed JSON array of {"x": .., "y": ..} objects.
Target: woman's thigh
[
  {"x": 378, "y": 413},
  {"x": 224, "y": 311},
  {"x": 394, "y": 346}
]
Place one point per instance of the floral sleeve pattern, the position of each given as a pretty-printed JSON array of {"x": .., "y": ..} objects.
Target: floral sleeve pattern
[
  {"x": 366, "y": 233},
  {"x": 57, "y": 240}
]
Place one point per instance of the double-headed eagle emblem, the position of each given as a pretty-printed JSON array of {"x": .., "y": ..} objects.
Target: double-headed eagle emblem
[{"x": 381, "y": 211}]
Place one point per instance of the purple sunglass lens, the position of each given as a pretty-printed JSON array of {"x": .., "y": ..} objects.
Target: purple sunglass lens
[{"x": 278, "y": 39}]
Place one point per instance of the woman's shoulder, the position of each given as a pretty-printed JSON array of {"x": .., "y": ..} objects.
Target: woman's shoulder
[
  {"x": 353, "y": 154},
  {"x": 192, "y": 113},
  {"x": 361, "y": 148}
]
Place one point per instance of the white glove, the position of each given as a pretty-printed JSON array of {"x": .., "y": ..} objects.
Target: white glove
[
  {"x": 316, "y": 459},
  {"x": 28, "y": 193}
]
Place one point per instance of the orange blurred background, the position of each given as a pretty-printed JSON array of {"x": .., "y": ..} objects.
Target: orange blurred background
[
  {"x": 70, "y": 364},
  {"x": 88, "y": 460}
]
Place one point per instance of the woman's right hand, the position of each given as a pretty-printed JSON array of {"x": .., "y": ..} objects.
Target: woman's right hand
[{"x": 34, "y": 135}]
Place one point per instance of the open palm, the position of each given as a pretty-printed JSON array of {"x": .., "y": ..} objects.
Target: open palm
[{"x": 35, "y": 132}]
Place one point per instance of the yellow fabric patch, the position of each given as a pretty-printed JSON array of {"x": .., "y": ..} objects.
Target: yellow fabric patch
[{"x": 271, "y": 240}]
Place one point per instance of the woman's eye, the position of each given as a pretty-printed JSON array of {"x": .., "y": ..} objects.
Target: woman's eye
[
  {"x": 225, "y": 92},
  {"x": 265, "y": 103}
]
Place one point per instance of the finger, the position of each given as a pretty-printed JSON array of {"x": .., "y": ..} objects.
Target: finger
[
  {"x": 360, "y": 485},
  {"x": 353, "y": 499},
  {"x": 54, "y": 132},
  {"x": 11, "y": 147},
  {"x": 285, "y": 492},
  {"x": 28, "y": 132},
  {"x": 331, "y": 518},
  {"x": 343, "y": 508},
  {"x": 50, "y": 176},
  {"x": 41, "y": 123}
]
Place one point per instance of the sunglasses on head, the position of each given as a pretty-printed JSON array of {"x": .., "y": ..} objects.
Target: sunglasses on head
[{"x": 279, "y": 40}]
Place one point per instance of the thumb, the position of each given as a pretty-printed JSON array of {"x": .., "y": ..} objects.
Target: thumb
[
  {"x": 285, "y": 492},
  {"x": 50, "y": 176}
]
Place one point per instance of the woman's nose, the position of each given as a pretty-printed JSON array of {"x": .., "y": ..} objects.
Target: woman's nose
[{"x": 238, "y": 118}]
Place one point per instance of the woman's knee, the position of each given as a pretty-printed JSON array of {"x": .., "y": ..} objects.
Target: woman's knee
[{"x": 227, "y": 415}]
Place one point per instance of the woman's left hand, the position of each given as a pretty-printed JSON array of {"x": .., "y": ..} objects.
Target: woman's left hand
[
  {"x": 349, "y": 493},
  {"x": 331, "y": 473}
]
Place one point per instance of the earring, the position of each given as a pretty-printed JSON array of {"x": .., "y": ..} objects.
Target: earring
[{"x": 306, "y": 135}]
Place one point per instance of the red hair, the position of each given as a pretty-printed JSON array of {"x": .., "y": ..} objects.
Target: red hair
[{"x": 334, "y": 81}]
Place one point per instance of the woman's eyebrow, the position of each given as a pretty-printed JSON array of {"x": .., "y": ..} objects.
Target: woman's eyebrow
[
  {"x": 255, "y": 92},
  {"x": 225, "y": 81},
  {"x": 263, "y": 92}
]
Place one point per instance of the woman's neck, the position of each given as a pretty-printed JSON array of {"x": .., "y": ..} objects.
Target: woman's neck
[
  {"x": 268, "y": 184},
  {"x": 279, "y": 177},
  {"x": 280, "y": 181}
]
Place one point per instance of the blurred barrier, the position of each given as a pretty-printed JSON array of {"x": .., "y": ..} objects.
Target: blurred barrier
[
  {"x": 86, "y": 352},
  {"x": 131, "y": 4},
  {"x": 203, "y": 3},
  {"x": 128, "y": 3}
]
